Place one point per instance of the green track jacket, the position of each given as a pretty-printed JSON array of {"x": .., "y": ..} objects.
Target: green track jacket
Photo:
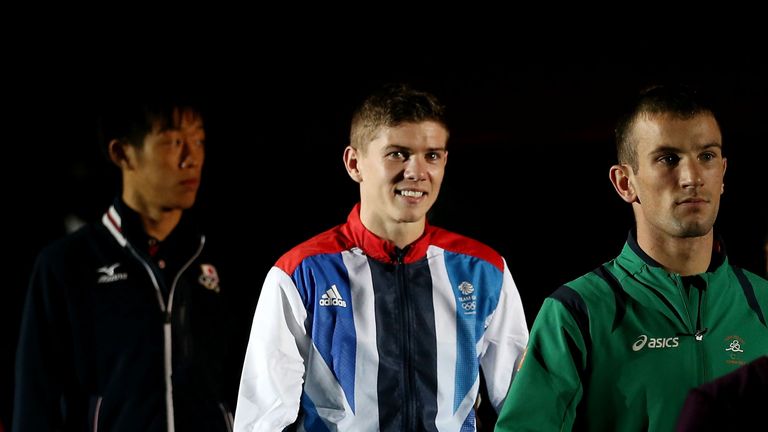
[{"x": 619, "y": 348}]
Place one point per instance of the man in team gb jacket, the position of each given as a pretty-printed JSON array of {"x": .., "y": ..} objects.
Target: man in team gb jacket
[
  {"x": 122, "y": 328},
  {"x": 382, "y": 323}
]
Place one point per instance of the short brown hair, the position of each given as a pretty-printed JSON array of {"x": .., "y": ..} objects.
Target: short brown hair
[
  {"x": 676, "y": 100},
  {"x": 393, "y": 105}
]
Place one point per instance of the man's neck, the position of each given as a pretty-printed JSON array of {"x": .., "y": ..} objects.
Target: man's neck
[
  {"x": 157, "y": 222},
  {"x": 160, "y": 226},
  {"x": 684, "y": 256},
  {"x": 401, "y": 234},
  {"x": 403, "y": 238}
]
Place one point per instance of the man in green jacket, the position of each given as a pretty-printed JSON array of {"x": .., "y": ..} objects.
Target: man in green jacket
[{"x": 619, "y": 348}]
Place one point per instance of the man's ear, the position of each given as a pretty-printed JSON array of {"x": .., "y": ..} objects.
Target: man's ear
[
  {"x": 725, "y": 166},
  {"x": 351, "y": 159},
  {"x": 118, "y": 153},
  {"x": 622, "y": 182}
]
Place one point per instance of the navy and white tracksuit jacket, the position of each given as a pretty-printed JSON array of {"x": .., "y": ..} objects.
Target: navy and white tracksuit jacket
[
  {"x": 113, "y": 339},
  {"x": 353, "y": 334}
]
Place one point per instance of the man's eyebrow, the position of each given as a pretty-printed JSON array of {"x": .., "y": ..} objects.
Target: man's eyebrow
[
  {"x": 673, "y": 149},
  {"x": 710, "y": 145},
  {"x": 393, "y": 147}
]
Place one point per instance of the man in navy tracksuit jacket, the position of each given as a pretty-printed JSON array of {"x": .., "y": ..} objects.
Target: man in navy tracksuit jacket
[{"x": 122, "y": 328}]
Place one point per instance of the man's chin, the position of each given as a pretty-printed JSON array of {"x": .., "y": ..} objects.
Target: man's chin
[
  {"x": 695, "y": 230},
  {"x": 411, "y": 217},
  {"x": 182, "y": 205}
]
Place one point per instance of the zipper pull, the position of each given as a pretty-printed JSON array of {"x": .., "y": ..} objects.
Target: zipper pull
[
  {"x": 700, "y": 334},
  {"x": 400, "y": 254}
]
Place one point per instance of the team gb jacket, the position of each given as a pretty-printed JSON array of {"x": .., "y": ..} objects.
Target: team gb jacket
[{"x": 353, "y": 334}]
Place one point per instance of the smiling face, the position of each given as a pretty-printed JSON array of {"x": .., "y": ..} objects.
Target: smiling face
[
  {"x": 400, "y": 172},
  {"x": 675, "y": 191}
]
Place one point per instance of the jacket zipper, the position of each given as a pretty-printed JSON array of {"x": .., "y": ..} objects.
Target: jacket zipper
[
  {"x": 409, "y": 409},
  {"x": 699, "y": 336},
  {"x": 228, "y": 420},
  {"x": 96, "y": 413},
  {"x": 699, "y": 331},
  {"x": 167, "y": 328}
]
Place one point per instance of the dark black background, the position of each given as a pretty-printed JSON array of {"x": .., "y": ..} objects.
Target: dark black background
[{"x": 530, "y": 149}]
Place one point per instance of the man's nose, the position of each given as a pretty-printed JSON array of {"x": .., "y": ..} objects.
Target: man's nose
[
  {"x": 415, "y": 169},
  {"x": 690, "y": 173},
  {"x": 192, "y": 155}
]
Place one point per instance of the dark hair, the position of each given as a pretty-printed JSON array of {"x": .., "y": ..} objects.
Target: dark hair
[
  {"x": 680, "y": 101},
  {"x": 391, "y": 106},
  {"x": 131, "y": 119}
]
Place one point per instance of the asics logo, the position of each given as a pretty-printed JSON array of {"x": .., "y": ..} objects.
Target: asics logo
[
  {"x": 643, "y": 341},
  {"x": 332, "y": 297}
]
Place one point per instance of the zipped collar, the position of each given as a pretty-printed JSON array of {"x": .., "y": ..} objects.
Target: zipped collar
[
  {"x": 380, "y": 249},
  {"x": 632, "y": 249},
  {"x": 126, "y": 227},
  {"x": 656, "y": 283}
]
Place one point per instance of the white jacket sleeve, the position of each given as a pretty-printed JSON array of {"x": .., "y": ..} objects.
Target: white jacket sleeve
[
  {"x": 272, "y": 377},
  {"x": 505, "y": 340}
]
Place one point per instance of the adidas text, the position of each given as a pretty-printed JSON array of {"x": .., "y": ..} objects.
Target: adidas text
[
  {"x": 332, "y": 297},
  {"x": 332, "y": 302}
]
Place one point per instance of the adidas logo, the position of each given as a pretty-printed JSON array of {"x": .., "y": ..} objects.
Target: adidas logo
[{"x": 332, "y": 297}]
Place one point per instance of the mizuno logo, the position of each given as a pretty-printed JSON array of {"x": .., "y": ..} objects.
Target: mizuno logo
[
  {"x": 332, "y": 297},
  {"x": 108, "y": 274},
  {"x": 108, "y": 270},
  {"x": 643, "y": 341}
]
